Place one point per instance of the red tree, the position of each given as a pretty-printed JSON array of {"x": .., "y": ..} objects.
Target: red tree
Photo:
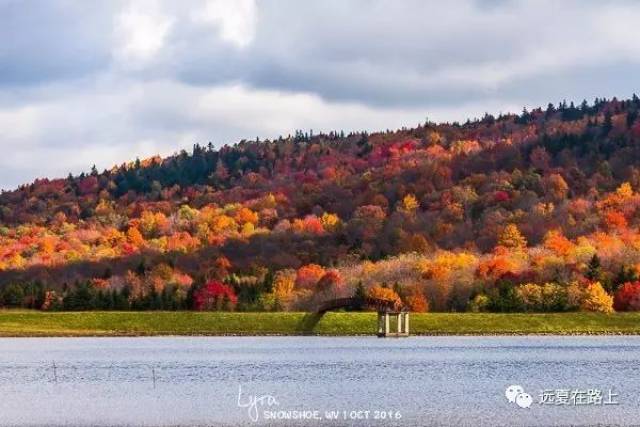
[
  {"x": 215, "y": 295},
  {"x": 627, "y": 298},
  {"x": 500, "y": 196},
  {"x": 331, "y": 283}
]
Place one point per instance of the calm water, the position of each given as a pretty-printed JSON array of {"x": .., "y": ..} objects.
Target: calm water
[{"x": 427, "y": 380}]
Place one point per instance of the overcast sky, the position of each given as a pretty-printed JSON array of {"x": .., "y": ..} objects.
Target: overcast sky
[{"x": 84, "y": 82}]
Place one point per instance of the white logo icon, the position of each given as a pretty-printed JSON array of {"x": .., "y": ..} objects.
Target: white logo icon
[
  {"x": 515, "y": 393},
  {"x": 512, "y": 392},
  {"x": 524, "y": 400}
]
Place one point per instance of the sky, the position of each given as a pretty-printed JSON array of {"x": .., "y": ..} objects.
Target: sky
[{"x": 87, "y": 82}]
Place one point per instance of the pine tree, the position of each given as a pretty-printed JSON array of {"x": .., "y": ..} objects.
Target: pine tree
[
  {"x": 632, "y": 115},
  {"x": 594, "y": 269},
  {"x": 360, "y": 296},
  {"x": 607, "y": 125}
]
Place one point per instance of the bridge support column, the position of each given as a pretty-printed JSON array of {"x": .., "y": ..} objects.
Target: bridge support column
[
  {"x": 406, "y": 323},
  {"x": 383, "y": 324},
  {"x": 386, "y": 324},
  {"x": 402, "y": 324}
]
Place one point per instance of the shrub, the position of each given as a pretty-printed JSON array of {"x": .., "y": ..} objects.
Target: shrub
[
  {"x": 51, "y": 301},
  {"x": 554, "y": 297},
  {"x": 575, "y": 295},
  {"x": 479, "y": 303},
  {"x": 531, "y": 296},
  {"x": 596, "y": 299},
  {"x": 547, "y": 297},
  {"x": 504, "y": 298},
  {"x": 12, "y": 295}
]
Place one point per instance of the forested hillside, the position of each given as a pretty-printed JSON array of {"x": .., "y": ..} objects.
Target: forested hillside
[{"x": 537, "y": 211}]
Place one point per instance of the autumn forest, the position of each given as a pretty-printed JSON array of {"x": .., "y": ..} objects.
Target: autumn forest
[{"x": 535, "y": 212}]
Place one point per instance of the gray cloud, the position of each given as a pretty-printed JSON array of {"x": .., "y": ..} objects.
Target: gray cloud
[
  {"x": 415, "y": 52},
  {"x": 104, "y": 82},
  {"x": 50, "y": 40}
]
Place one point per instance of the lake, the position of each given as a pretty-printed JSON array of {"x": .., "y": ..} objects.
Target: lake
[{"x": 319, "y": 381}]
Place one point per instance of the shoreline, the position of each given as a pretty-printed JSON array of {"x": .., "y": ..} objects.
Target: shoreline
[
  {"x": 433, "y": 335},
  {"x": 26, "y": 323}
]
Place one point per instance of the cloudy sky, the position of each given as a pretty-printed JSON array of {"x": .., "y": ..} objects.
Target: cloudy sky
[{"x": 84, "y": 82}]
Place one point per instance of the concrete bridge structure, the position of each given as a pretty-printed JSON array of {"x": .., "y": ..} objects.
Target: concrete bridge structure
[{"x": 389, "y": 312}]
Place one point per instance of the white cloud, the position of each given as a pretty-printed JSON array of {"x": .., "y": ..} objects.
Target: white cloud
[
  {"x": 18, "y": 124},
  {"x": 235, "y": 20},
  {"x": 140, "y": 32},
  {"x": 619, "y": 31},
  {"x": 80, "y": 85},
  {"x": 115, "y": 121}
]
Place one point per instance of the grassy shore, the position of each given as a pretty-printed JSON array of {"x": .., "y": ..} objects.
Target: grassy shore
[{"x": 95, "y": 323}]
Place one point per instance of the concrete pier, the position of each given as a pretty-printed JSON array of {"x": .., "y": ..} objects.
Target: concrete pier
[{"x": 384, "y": 323}]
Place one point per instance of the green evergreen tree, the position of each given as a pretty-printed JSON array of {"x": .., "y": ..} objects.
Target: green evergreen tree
[
  {"x": 594, "y": 269},
  {"x": 13, "y": 295},
  {"x": 83, "y": 297},
  {"x": 626, "y": 274},
  {"x": 607, "y": 125},
  {"x": 360, "y": 296}
]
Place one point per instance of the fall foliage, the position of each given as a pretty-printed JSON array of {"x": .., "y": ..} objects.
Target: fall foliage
[
  {"x": 502, "y": 213},
  {"x": 627, "y": 298},
  {"x": 215, "y": 295},
  {"x": 383, "y": 293}
]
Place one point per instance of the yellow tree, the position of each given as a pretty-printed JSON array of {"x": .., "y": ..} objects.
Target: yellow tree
[
  {"x": 153, "y": 224},
  {"x": 329, "y": 221},
  {"x": 512, "y": 238},
  {"x": 625, "y": 191},
  {"x": 410, "y": 203},
  {"x": 283, "y": 284},
  {"x": 595, "y": 298}
]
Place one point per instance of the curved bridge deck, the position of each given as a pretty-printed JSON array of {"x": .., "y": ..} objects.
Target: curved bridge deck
[{"x": 380, "y": 305}]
